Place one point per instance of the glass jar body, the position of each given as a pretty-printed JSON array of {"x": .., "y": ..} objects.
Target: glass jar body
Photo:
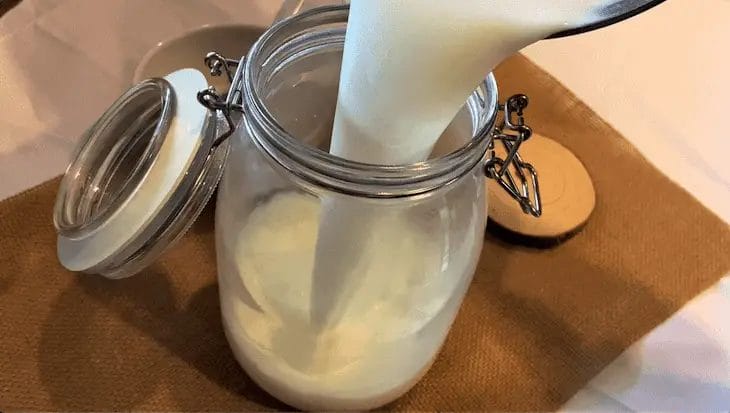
[
  {"x": 338, "y": 286},
  {"x": 399, "y": 296}
]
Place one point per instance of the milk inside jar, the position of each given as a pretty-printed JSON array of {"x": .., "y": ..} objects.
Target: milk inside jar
[{"x": 342, "y": 301}]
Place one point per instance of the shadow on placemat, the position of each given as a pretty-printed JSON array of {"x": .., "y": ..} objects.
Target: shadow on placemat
[{"x": 536, "y": 326}]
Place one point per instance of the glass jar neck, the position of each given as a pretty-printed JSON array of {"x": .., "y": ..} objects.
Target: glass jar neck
[{"x": 324, "y": 28}]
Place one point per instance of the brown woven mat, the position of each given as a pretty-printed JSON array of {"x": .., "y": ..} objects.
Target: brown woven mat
[{"x": 535, "y": 327}]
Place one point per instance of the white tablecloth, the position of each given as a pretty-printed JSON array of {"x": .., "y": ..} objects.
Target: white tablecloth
[{"x": 660, "y": 79}]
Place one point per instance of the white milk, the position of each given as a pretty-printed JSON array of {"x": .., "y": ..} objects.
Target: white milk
[
  {"x": 408, "y": 67},
  {"x": 409, "y": 292}
]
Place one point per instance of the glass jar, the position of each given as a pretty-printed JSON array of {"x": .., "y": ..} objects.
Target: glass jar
[{"x": 338, "y": 280}]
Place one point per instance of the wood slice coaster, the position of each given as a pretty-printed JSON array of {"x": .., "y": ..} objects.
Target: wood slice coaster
[{"x": 568, "y": 196}]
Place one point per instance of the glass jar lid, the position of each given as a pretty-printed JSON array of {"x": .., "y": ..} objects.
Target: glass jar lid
[{"x": 141, "y": 175}]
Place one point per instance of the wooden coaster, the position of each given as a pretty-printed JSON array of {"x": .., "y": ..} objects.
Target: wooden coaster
[{"x": 568, "y": 196}]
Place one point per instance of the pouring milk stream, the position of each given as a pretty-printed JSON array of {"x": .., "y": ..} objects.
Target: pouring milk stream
[{"x": 408, "y": 67}]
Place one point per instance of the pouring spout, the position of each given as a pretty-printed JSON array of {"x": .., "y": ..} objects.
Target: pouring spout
[{"x": 611, "y": 14}]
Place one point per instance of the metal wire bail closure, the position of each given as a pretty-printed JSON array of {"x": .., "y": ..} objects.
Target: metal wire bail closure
[
  {"x": 523, "y": 184},
  {"x": 214, "y": 102},
  {"x": 517, "y": 177}
]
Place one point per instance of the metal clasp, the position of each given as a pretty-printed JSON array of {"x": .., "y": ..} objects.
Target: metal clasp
[
  {"x": 513, "y": 174},
  {"x": 232, "y": 102}
]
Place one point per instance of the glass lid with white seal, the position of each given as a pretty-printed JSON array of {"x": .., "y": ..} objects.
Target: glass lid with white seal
[{"x": 140, "y": 177}]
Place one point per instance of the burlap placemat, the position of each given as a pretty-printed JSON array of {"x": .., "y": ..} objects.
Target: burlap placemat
[{"x": 536, "y": 325}]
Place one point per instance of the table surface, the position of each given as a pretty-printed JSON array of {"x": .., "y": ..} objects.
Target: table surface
[{"x": 659, "y": 79}]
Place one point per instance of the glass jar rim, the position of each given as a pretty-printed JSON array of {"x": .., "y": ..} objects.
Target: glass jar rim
[{"x": 323, "y": 169}]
